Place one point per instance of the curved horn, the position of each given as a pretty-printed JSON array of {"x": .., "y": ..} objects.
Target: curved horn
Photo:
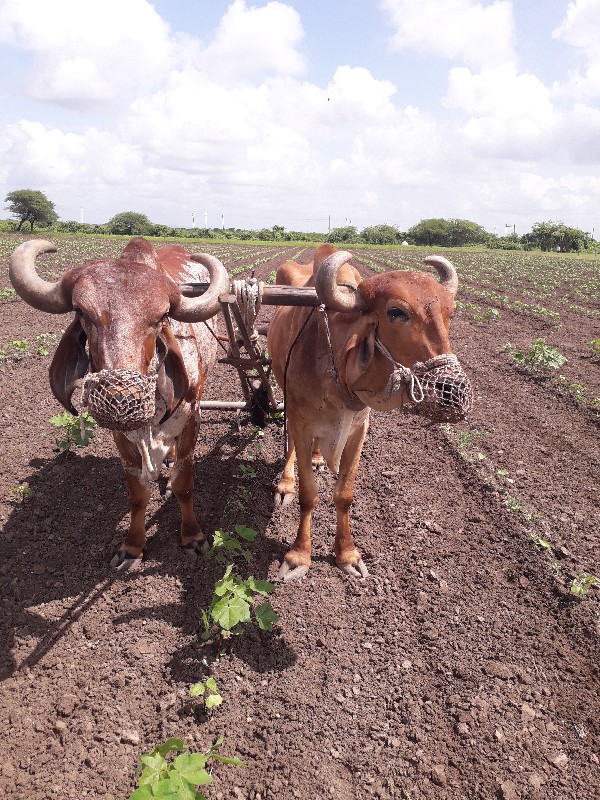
[
  {"x": 41, "y": 294},
  {"x": 198, "y": 309},
  {"x": 447, "y": 273},
  {"x": 328, "y": 291}
]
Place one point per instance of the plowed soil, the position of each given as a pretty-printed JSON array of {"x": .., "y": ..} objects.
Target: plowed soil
[{"x": 463, "y": 668}]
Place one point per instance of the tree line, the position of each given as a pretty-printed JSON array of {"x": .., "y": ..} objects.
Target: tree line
[{"x": 33, "y": 208}]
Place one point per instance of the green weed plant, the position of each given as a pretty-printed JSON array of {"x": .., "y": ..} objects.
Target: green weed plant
[
  {"x": 73, "y": 432},
  {"x": 209, "y": 693},
  {"x": 232, "y": 606},
  {"x": 177, "y": 779},
  {"x": 539, "y": 357}
]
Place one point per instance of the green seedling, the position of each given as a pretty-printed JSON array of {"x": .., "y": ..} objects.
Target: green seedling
[
  {"x": 466, "y": 439},
  {"x": 7, "y": 294},
  {"x": 271, "y": 277},
  {"x": 77, "y": 431},
  {"x": 248, "y": 472},
  {"x": 582, "y": 584},
  {"x": 539, "y": 357},
  {"x": 177, "y": 779},
  {"x": 513, "y": 504},
  {"x": 491, "y": 315},
  {"x": 594, "y": 345},
  {"x": 227, "y": 545},
  {"x": 208, "y": 691},
  {"x": 232, "y": 604},
  {"x": 21, "y": 492},
  {"x": 503, "y": 473},
  {"x": 539, "y": 542},
  {"x": 14, "y": 348},
  {"x": 46, "y": 340}
]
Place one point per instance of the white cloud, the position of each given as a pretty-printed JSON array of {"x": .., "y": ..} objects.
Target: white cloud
[
  {"x": 80, "y": 55},
  {"x": 581, "y": 25},
  {"x": 469, "y": 32},
  {"x": 252, "y": 42},
  {"x": 510, "y": 115},
  {"x": 579, "y": 29}
]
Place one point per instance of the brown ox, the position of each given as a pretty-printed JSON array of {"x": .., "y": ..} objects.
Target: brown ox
[
  {"x": 135, "y": 349},
  {"x": 372, "y": 344}
]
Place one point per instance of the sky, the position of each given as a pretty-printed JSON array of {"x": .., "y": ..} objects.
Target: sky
[{"x": 306, "y": 113}]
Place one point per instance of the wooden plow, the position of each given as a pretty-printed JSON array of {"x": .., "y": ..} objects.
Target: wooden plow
[{"x": 240, "y": 307}]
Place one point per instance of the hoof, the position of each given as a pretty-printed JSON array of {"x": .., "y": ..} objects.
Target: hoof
[
  {"x": 168, "y": 493},
  {"x": 287, "y": 573},
  {"x": 358, "y": 571},
  {"x": 283, "y": 499},
  {"x": 196, "y": 548},
  {"x": 123, "y": 561}
]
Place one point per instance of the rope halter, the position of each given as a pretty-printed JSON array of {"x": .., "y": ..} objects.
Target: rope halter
[
  {"x": 248, "y": 295},
  {"x": 438, "y": 387}
]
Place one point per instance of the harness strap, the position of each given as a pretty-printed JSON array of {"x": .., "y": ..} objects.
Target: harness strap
[{"x": 401, "y": 375}]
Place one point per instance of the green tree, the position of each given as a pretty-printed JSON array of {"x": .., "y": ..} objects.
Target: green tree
[
  {"x": 130, "y": 223},
  {"x": 380, "y": 234},
  {"x": 447, "y": 233},
  {"x": 348, "y": 234},
  {"x": 32, "y": 206},
  {"x": 429, "y": 232},
  {"x": 551, "y": 235}
]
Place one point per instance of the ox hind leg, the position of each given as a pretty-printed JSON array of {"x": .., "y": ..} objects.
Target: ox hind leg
[
  {"x": 181, "y": 484},
  {"x": 285, "y": 490},
  {"x": 347, "y": 557},
  {"x": 297, "y": 559}
]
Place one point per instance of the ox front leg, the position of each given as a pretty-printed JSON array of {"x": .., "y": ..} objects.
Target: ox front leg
[
  {"x": 347, "y": 557},
  {"x": 297, "y": 559},
  {"x": 132, "y": 549},
  {"x": 193, "y": 539}
]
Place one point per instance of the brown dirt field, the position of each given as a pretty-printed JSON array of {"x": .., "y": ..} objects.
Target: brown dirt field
[{"x": 463, "y": 668}]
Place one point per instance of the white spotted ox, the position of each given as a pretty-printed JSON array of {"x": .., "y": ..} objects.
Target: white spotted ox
[
  {"x": 140, "y": 358},
  {"x": 378, "y": 344}
]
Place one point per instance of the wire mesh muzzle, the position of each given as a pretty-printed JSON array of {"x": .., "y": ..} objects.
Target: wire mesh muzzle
[
  {"x": 119, "y": 399},
  {"x": 447, "y": 392}
]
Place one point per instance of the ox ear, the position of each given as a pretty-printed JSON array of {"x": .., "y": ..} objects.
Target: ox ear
[
  {"x": 172, "y": 381},
  {"x": 359, "y": 354},
  {"x": 70, "y": 363}
]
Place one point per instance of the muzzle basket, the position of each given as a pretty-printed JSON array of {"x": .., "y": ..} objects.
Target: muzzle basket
[
  {"x": 447, "y": 392},
  {"x": 120, "y": 399}
]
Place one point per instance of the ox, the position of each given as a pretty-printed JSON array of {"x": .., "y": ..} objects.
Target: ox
[
  {"x": 135, "y": 350},
  {"x": 376, "y": 343}
]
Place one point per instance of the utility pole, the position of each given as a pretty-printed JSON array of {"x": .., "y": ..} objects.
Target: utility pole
[
  {"x": 329, "y": 230},
  {"x": 223, "y": 221}
]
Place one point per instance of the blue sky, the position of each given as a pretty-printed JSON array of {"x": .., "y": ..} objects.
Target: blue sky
[{"x": 296, "y": 112}]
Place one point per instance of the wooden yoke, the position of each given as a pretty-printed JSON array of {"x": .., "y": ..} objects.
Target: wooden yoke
[
  {"x": 245, "y": 354},
  {"x": 271, "y": 295}
]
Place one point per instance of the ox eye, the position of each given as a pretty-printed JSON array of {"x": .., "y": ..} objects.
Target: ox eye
[
  {"x": 398, "y": 313},
  {"x": 162, "y": 320}
]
